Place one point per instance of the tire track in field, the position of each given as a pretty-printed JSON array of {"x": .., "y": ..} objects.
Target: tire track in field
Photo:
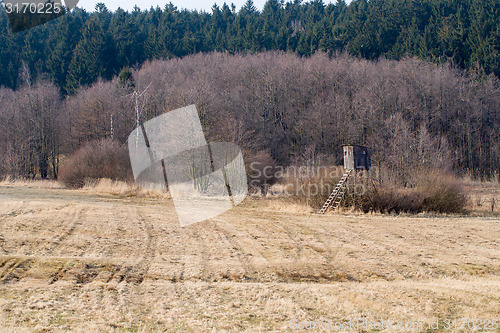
[
  {"x": 281, "y": 269},
  {"x": 270, "y": 240},
  {"x": 13, "y": 212},
  {"x": 135, "y": 273},
  {"x": 14, "y": 269},
  {"x": 76, "y": 220},
  {"x": 216, "y": 259},
  {"x": 199, "y": 235},
  {"x": 183, "y": 261},
  {"x": 229, "y": 237},
  {"x": 324, "y": 247},
  {"x": 322, "y": 236},
  {"x": 138, "y": 273},
  {"x": 288, "y": 232},
  {"x": 311, "y": 252},
  {"x": 293, "y": 230},
  {"x": 59, "y": 274},
  {"x": 4, "y": 216},
  {"x": 290, "y": 229}
]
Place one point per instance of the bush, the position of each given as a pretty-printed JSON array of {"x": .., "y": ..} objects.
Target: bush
[
  {"x": 95, "y": 160},
  {"x": 443, "y": 193},
  {"x": 431, "y": 191},
  {"x": 392, "y": 199},
  {"x": 261, "y": 171}
]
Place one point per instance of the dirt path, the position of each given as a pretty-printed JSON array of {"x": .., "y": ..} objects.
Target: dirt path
[{"x": 81, "y": 261}]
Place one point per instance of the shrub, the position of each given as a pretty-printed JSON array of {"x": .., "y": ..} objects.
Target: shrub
[
  {"x": 392, "y": 199},
  {"x": 443, "y": 193},
  {"x": 261, "y": 171},
  {"x": 95, "y": 160},
  {"x": 431, "y": 191}
]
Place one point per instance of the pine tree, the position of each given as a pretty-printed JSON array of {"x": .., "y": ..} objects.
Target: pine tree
[{"x": 93, "y": 58}]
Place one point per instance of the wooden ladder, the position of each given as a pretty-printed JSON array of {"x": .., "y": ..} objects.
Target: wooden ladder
[{"x": 337, "y": 194}]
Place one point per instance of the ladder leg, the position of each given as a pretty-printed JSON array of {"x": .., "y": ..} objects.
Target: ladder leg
[{"x": 337, "y": 194}]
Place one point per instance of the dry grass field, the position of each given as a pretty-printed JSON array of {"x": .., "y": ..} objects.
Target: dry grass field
[{"x": 90, "y": 261}]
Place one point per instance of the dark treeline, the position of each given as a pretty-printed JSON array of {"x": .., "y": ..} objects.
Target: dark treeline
[
  {"x": 80, "y": 47},
  {"x": 291, "y": 109}
]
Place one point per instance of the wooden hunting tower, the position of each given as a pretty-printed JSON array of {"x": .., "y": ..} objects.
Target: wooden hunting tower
[{"x": 356, "y": 158}]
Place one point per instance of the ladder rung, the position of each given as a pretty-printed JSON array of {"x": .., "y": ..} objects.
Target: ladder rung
[{"x": 337, "y": 194}]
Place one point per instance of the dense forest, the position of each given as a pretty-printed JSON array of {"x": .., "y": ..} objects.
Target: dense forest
[
  {"x": 77, "y": 49},
  {"x": 293, "y": 110}
]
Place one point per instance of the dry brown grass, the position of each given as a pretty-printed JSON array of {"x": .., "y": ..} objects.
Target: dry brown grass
[
  {"x": 289, "y": 206},
  {"x": 483, "y": 197},
  {"x": 121, "y": 189},
  {"x": 87, "y": 261},
  {"x": 32, "y": 183}
]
